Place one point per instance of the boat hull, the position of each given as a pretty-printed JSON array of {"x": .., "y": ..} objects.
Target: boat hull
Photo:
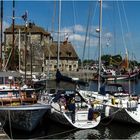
[
  {"x": 23, "y": 118},
  {"x": 120, "y": 77},
  {"x": 121, "y": 115},
  {"x": 80, "y": 122},
  {"x": 58, "y": 117}
]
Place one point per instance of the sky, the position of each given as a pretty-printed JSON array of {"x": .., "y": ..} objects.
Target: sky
[{"x": 79, "y": 21}]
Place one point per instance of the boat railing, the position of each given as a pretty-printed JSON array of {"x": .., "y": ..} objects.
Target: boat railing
[
  {"x": 44, "y": 98},
  {"x": 12, "y": 100}
]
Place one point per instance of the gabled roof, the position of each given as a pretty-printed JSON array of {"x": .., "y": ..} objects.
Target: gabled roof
[
  {"x": 34, "y": 30},
  {"x": 66, "y": 50}
]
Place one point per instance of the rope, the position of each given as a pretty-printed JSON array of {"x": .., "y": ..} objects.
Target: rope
[
  {"x": 10, "y": 124},
  {"x": 56, "y": 134},
  {"x": 111, "y": 118},
  {"x": 122, "y": 31},
  {"x": 4, "y": 119}
]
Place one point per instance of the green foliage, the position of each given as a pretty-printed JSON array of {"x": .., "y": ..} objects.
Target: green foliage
[
  {"x": 108, "y": 60},
  {"x": 88, "y": 62}
]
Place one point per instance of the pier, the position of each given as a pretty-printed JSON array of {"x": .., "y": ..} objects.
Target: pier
[{"x": 81, "y": 74}]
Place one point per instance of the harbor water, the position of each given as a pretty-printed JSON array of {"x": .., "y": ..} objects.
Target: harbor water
[{"x": 108, "y": 129}]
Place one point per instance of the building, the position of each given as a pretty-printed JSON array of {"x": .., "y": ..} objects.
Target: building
[
  {"x": 68, "y": 58},
  {"x": 41, "y": 50}
]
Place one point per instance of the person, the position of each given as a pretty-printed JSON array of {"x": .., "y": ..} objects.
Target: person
[{"x": 71, "y": 108}]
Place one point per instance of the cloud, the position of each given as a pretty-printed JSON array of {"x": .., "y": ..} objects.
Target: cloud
[
  {"x": 5, "y": 25},
  {"x": 77, "y": 34},
  {"x": 105, "y": 5},
  {"x": 77, "y": 37},
  {"x": 79, "y": 28}
]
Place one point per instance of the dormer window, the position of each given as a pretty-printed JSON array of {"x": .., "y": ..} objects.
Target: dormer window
[
  {"x": 59, "y": 53},
  {"x": 68, "y": 53}
]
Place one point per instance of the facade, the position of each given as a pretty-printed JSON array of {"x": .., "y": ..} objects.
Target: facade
[{"x": 41, "y": 50}]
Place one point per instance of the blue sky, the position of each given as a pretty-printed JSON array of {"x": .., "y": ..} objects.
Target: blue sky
[{"x": 121, "y": 24}]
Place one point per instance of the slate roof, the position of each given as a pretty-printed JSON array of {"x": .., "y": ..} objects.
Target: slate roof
[
  {"x": 66, "y": 51},
  {"x": 34, "y": 30}
]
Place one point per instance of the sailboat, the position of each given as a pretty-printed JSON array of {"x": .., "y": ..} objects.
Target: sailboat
[
  {"x": 125, "y": 74},
  {"x": 68, "y": 107},
  {"x": 114, "y": 101},
  {"x": 21, "y": 107}
]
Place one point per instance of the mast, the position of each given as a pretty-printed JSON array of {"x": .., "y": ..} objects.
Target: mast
[
  {"x": 25, "y": 18},
  {"x": 59, "y": 23},
  {"x": 13, "y": 44},
  {"x": 1, "y": 33},
  {"x": 31, "y": 55},
  {"x": 26, "y": 39},
  {"x": 100, "y": 45},
  {"x": 19, "y": 48}
]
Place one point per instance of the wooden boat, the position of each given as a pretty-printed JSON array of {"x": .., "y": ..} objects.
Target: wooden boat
[
  {"x": 124, "y": 72},
  {"x": 22, "y": 108},
  {"x": 115, "y": 77},
  {"x": 69, "y": 108}
]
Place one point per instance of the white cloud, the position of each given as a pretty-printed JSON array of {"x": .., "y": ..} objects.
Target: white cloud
[
  {"x": 79, "y": 28},
  {"x": 5, "y": 25},
  {"x": 105, "y": 5},
  {"x": 77, "y": 37}
]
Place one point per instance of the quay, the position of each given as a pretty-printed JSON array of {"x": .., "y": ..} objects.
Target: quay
[
  {"x": 3, "y": 134},
  {"x": 81, "y": 74}
]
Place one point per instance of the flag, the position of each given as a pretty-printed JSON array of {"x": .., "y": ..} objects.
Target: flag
[{"x": 25, "y": 16}]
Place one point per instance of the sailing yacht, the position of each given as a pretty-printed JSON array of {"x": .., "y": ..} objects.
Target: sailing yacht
[
  {"x": 112, "y": 99},
  {"x": 68, "y": 107},
  {"x": 21, "y": 107}
]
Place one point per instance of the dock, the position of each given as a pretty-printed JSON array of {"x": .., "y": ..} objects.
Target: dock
[
  {"x": 81, "y": 74},
  {"x": 3, "y": 134}
]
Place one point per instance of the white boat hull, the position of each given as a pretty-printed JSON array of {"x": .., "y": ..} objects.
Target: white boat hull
[
  {"x": 120, "y": 112},
  {"x": 123, "y": 114},
  {"x": 81, "y": 118}
]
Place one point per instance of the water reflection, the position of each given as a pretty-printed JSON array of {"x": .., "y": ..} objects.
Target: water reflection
[{"x": 52, "y": 130}]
